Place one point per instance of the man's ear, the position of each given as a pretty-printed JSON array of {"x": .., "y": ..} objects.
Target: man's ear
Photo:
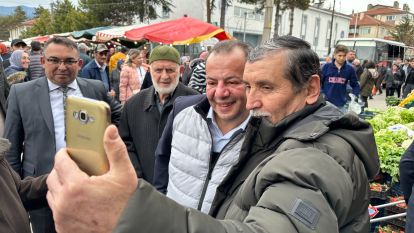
[
  {"x": 80, "y": 63},
  {"x": 313, "y": 89}
]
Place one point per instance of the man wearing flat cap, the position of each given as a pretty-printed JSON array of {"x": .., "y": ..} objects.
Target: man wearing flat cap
[
  {"x": 98, "y": 69},
  {"x": 145, "y": 114}
]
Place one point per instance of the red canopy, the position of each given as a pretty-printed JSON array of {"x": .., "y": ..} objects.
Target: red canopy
[
  {"x": 185, "y": 30},
  {"x": 41, "y": 39}
]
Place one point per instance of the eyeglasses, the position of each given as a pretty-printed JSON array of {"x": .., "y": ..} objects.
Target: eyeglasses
[
  {"x": 67, "y": 62},
  {"x": 102, "y": 53}
]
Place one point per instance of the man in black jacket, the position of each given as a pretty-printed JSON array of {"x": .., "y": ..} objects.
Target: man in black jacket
[{"x": 145, "y": 114}]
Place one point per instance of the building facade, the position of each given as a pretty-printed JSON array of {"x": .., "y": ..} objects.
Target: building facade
[
  {"x": 312, "y": 25},
  {"x": 17, "y": 31},
  {"x": 378, "y": 20}
]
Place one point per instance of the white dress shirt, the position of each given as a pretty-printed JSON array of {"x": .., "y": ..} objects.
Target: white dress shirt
[
  {"x": 220, "y": 140},
  {"x": 56, "y": 103}
]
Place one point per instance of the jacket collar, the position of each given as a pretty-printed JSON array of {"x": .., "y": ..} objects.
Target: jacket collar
[
  {"x": 296, "y": 125},
  {"x": 203, "y": 107}
]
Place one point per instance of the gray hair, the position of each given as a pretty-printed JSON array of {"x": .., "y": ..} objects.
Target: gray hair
[
  {"x": 301, "y": 61},
  {"x": 227, "y": 46}
]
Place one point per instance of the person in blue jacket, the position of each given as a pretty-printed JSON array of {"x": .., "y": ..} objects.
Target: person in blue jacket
[{"x": 335, "y": 77}]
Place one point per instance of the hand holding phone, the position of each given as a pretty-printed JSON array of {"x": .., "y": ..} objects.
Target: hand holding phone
[{"x": 85, "y": 121}]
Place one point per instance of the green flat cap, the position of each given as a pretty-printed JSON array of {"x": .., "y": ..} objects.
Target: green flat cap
[{"x": 164, "y": 52}]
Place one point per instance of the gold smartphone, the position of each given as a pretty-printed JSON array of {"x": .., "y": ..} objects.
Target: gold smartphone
[{"x": 86, "y": 122}]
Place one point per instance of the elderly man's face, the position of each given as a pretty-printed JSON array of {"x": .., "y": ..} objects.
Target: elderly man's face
[
  {"x": 269, "y": 93},
  {"x": 100, "y": 57},
  {"x": 225, "y": 89},
  {"x": 165, "y": 76}
]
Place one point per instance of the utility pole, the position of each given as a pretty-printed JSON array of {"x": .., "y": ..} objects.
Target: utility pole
[
  {"x": 267, "y": 27},
  {"x": 223, "y": 13},
  {"x": 330, "y": 33},
  {"x": 356, "y": 25}
]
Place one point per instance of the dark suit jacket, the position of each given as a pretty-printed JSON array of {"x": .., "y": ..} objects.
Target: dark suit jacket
[
  {"x": 91, "y": 71},
  {"x": 29, "y": 121},
  {"x": 142, "y": 125}
]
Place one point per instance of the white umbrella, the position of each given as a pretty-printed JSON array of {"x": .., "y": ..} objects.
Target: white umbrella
[{"x": 115, "y": 32}]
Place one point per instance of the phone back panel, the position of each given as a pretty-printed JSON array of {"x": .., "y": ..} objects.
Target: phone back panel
[{"x": 86, "y": 122}]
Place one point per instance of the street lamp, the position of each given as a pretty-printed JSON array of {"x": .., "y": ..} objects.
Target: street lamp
[
  {"x": 245, "y": 22},
  {"x": 244, "y": 30}
]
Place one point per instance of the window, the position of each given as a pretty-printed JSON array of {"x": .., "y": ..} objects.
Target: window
[
  {"x": 165, "y": 13},
  {"x": 328, "y": 33},
  {"x": 237, "y": 11},
  {"x": 259, "y": 16},
  {"x": 390, "y": 17},
  {"x": 250, "y": 15},
  {"x": 316, "y": 31},
  {"x": 365, "y": 31},
  {"x": 303, "y": 27}
]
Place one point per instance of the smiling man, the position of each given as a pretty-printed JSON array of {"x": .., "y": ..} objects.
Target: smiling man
[
  {"x": 208, "y": 131},
  {"x": 145, "y": 114},
  {"x": 35, "y": 123}
]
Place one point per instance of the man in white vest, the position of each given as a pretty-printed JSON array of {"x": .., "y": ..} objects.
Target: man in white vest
[{"x": 204, "y": 133}]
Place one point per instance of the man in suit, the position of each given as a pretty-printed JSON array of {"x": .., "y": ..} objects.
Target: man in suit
[
  {"x": 145, "y": 114},
  {"x": 35, "y": 116},
  {"x": 98, "y": 69}
]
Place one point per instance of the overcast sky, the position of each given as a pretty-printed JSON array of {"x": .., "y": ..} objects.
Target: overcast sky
[{"x": 344, "y": 6}]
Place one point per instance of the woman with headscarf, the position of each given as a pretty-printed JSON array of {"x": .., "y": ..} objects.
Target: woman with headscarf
[
  {"x": 16, "y": 72},
  {"x": 130, "y": 81}
]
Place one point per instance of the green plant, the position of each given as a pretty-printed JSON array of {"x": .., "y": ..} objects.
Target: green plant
[{"x": 392, "y": 101}]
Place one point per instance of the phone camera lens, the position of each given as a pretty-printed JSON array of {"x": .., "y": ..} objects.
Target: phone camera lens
[{"x": 83, "y": 116}]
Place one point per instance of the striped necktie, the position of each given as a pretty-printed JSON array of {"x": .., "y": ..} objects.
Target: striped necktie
[{"x": 64, "y": 91}]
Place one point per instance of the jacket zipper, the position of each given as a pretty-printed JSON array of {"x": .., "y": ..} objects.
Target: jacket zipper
[{"x": 210, "y": 170}]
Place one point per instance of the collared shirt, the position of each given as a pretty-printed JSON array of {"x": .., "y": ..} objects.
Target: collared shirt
[
  {"x": 141, "y": 71},
  {"x": 220, "y": 140},
  {"x": 160, "y": 106},
  {"x": 56, "y": 103}
]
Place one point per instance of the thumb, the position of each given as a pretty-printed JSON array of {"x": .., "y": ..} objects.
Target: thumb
[{"x": 116, "y": 151}]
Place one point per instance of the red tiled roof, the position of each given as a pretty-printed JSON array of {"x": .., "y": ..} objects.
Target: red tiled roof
[
  {"x": 385, "y": 11},
  {"x": 368, "y": 21},
  {"x": 29, "y": 22}
]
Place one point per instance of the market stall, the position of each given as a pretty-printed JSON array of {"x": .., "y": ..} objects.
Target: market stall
[
  {"x": 182, "y": 31},
  {"x": 394, "y": 132}
]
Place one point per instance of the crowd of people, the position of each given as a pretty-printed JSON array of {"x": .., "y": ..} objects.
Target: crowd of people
[
  {"x": 396, "y": 77},
  {"x": 235, "y": 140}
]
